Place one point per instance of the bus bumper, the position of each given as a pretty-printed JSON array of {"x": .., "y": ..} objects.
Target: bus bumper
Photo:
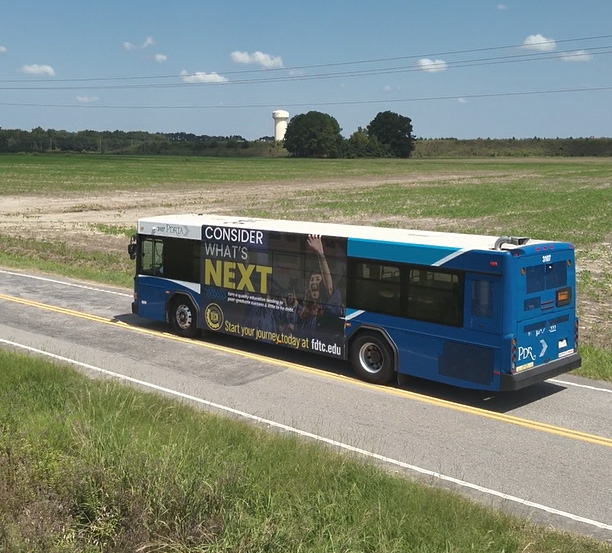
[
  {"x": 517, "y": 381},
  {"x": 135, "y": 308}
]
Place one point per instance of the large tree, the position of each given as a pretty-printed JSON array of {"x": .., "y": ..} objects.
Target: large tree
[
  {"x": 313, "y": 134},
  {"x": 395, "y": 131}
]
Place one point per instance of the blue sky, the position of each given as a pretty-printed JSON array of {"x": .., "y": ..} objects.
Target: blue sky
[{"x": 464, "y": 69}]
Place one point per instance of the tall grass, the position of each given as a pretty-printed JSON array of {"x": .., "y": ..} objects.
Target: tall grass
[{"x": 89, "y": 465}]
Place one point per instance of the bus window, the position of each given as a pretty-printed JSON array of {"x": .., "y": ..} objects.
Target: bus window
[
  {"x": 546, "y": 277},
  {"x": 484, "y": 303},
  {"x": 376, "y": 287},
  {"x": 435, "y": 296},
  {"x": 181, "y": 259},
  {"x": 482, "y": 298},
  {"x": 170, "y": 258}
]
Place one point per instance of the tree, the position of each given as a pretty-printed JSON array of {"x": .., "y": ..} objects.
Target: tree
[
  {"x": 361, "y": 145},
  {"x": 313, "y": 134},
  {"x": 393, "y": 130}
]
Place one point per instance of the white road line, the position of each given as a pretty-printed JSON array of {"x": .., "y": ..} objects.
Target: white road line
[
  {"x": 84, "y": 287},
  {"x": 566, "y": 383},
  {"x": 318, "y": 438}
]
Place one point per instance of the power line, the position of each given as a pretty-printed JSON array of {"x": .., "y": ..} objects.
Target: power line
[
  {"x": 476, "y": 62},
  {"x": 527, "y": 57},
  {"x": 482, "y": 95}
]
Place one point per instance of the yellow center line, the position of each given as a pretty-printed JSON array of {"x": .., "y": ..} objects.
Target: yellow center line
[{"x": 509, "y": 419}]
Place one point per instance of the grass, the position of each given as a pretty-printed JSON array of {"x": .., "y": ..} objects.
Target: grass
[
  {"x": 91, "y": 466},
  {"x": 65, "y": 174},
  {"x": 67, "y": 259}
]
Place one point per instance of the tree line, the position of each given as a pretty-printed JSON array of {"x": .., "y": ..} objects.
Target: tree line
[
  {"x": 116, "y": 142},
  {"x": 312, "y": 134}
]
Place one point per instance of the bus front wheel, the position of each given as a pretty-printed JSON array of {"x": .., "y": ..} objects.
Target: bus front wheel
[
  {"x": 372, "y": 358},
  {"x": 183, "y": 317}
]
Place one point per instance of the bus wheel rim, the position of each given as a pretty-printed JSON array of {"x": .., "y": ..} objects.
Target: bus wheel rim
[
  {"x": 371, "y": 358},
  {"x": 183, "y": 316}
]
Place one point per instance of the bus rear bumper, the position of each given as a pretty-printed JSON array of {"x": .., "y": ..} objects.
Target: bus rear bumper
[{"x": 517, "y": 381}]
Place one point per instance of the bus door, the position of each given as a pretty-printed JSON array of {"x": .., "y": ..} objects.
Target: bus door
[
  {"x": 546, "y": 307},
  {"x": 150, "y": 289}
]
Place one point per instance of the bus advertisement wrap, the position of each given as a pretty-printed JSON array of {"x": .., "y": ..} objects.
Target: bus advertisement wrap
[{"x": 275, "y": 287}]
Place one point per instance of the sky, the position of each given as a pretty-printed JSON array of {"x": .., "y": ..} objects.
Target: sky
[{"x": 463, "y": 69}]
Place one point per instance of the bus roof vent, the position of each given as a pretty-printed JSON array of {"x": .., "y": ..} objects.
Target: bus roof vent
[{"x": 513, "y": 240}]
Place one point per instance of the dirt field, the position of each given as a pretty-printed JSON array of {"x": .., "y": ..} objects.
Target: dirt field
[{"x": 76, "y": 220}]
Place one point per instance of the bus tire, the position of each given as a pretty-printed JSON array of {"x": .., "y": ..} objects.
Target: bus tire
[
  {"x": 183, "y": 317},
  {"x": 372, "y": 358}
]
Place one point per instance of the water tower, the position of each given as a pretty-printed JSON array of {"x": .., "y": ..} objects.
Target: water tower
[{"x": 280, "y": 117}]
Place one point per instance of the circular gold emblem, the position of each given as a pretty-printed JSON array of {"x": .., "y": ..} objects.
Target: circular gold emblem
[{"x": 214, "y": 316}]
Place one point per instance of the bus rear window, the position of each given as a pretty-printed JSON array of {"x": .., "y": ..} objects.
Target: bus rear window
[{"x": 547, "y": 276}]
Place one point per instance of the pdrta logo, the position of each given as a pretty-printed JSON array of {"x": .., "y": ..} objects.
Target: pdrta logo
[{"x": 214, "y": 316}]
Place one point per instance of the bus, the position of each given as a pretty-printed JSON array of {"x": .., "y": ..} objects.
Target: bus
[{"x": 482, "y": 312}]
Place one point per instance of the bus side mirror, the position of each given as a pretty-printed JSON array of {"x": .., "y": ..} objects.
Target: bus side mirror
[{"x": 133, "y": 247}]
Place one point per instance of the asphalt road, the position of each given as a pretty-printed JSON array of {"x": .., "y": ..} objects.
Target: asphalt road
[{"x": 544, "y": 452}]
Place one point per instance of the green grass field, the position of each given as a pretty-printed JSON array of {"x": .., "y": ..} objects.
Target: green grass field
[{"x": 92, "y": 466}]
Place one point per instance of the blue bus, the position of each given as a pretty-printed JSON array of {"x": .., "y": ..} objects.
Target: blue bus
[{"x": 480, "y": 312}]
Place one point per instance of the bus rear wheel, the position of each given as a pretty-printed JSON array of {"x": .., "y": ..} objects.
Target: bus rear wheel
[
  {"x": 372, "y": 358},
  {"x": 183, "y": 317}
]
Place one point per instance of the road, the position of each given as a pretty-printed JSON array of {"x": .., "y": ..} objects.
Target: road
[{"x": 544, "y": 452}]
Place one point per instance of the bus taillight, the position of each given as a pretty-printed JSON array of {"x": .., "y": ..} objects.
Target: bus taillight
[{"x": 564, "y": 296}]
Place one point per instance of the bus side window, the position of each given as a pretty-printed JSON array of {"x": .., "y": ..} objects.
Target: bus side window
[
  {"x": 482, "y": 298},
  {"x": 376, "y": 288},
  {"x": 181, "y": 260},
  {"x": 435, "y": 296}
]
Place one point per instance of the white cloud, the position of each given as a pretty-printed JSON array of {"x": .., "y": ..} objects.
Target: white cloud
[
  {"x": 36, "y": 69},
  {"x": 199, "y": 77},
  {"x": 462, "y": 100},
  {"x": 161, "y": 58},
  {"x": 502, "y": 7},
  {"x": 538, "y": 42},
  {"x": 578, "y": 55},
  {"x": 432, "y": 66},
  {"x": 3, "y": 49},
  {"x": 265, "y": 60},
  {"x": 148, "y": 42},
  {"x": 87, "y": 99}
]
